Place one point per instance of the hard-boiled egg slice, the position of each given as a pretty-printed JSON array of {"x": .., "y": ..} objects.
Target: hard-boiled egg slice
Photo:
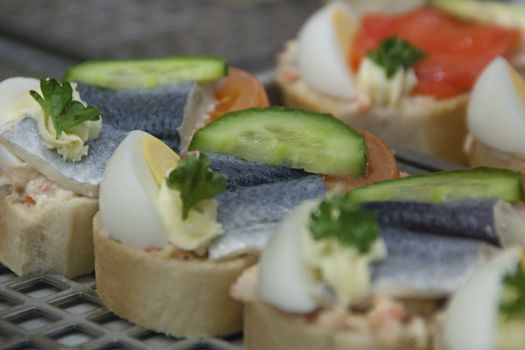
[
  {"x": 284, "y": 280},
  {"x": 15, "y": 103},
  {"x": 496, "y": 110},
  {"x": 15, "y": 100},
  {"x": 324, "y": 43},
  {"x": 472, "y": 315},
  {"x": 129, "y": 190}
]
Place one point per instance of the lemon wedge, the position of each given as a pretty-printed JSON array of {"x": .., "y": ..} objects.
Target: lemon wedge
[{"x": 159, "y": 157}]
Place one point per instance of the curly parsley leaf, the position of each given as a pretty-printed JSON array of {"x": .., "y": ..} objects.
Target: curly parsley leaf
[
  {"x": 346, "y": 221},
  {"x": 57, "y": 102},
  {"x": 195, "y": 181},
  {"x": 394, "y": 53},
  {"x": 513, "y": 305}
]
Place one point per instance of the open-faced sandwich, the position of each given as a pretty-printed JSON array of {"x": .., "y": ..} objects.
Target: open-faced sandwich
[
  {"x": 496, "y": 118},
  {"x": 52, "y": 155},
  {"x": 405, "y": 77},
  {"x": 173, "y": 232},
  {"x": 371, "y": 269}
]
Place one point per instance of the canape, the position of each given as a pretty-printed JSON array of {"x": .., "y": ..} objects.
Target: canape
[
  {"x": 50, "y": 161},
  {"x": 399, "y": 76}
]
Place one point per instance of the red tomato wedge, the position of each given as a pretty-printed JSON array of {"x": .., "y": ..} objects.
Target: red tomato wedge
[
  {"x": 240, "y": 90},
  {"x": 381, "y": 165},
  {"x": 457, "y": 51}
]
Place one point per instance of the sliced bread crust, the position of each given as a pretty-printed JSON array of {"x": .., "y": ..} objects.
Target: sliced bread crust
[
  {"x": 177, "y": 297},
  {"x": 55, "y": 238},
  {"x": 267, "y": 328}
]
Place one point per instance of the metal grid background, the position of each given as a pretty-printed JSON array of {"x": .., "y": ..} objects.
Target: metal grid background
[{"x": 49, "y": 312}]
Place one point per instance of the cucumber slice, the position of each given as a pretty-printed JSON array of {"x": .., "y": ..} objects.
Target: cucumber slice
[
  {"x": 491, "y": 12},
  {"x": 315, "y": 142},
  {"x": 477, "y": 183},
  {"x": 148, "y": 73}
]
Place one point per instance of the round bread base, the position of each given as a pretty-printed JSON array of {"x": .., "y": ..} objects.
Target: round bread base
[
  {"x": 480, "y": 154},
  {"x": 182, "y": 298},
  {"x": 435, "y": 128},
  {"x": 266, "y": 328}
]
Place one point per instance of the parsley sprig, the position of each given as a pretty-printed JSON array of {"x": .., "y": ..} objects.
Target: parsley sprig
[
  {"x": 513, "y": 306},
  {"x": 346, "y": 221},
  {"x": 195, "y": 181},
  {"x": 57, "y": 102},
  {"x": 394, "y": 53}
]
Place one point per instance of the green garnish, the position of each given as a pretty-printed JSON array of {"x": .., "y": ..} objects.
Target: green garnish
[
  {"x": 346, "y": 221},
  {"x": 513, "y": 303},
  {"x": 195, "y": 181},
  {"x": 58, "y": 103},
  {"x": 394, "y": 53}
]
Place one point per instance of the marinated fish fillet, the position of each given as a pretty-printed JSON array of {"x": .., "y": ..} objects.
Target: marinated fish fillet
[
  {"x": 157, "y": 111},
  {"x": 83, "y": 177},
  {"x": 422, "y": 265},
  {"x": 250, "y": 214},
  {"x": 241, "y": 173}
]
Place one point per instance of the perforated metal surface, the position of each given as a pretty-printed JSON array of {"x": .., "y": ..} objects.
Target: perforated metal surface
[{"x": 52, "y": 312}]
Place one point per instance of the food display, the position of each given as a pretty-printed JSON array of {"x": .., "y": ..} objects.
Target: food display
[
  {"x": 405, "y": 77},
  {"x": 200, "y": 228},
  {"x": 349, "y": 272},
  {"x": 203, "y": 213}
]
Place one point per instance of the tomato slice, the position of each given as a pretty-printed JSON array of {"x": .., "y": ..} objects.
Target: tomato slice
[
  {"x": 239, "y": 90},
  {"x": 457, "y": 51},
  {"x": 381, "y": 165}
]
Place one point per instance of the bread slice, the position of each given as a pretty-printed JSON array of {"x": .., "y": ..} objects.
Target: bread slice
[
  {"x": 267, "y": 328},
  {"x": 434, "y": 127},
  {"x": 480, "y": 154},
  {"x": 173, "y": 296},
  {"x": 55, "y": 238}
]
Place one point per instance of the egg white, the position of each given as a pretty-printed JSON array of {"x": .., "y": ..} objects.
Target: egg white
[
  {"x": 284, "y": 280},
  {"x": 128, "y": 197},
  {"x": 496, "y": 112},
  {"x": 12, "y": 90},
  {"x": 323, "y": 42},
  {"x": 471, "y": 318}
]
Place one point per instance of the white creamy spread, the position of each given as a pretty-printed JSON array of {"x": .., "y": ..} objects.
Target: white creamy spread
[
  {"x": 194, "y": 233},
  {"x": 381, "y": 90},
  {"x": 341, "y": 267},
  {"x": 70, "y": 145}
]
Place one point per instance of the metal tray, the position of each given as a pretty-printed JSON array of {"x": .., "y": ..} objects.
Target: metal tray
[{"x": 49, "y": 312}]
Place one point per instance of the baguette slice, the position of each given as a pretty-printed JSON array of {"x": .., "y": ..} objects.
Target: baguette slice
[
  {"x": 56, "y": 238},
  {"x": 178, "y": 297},
  {"x": 480, "y": 154},
  {"x": 266, "y": 328},
  {"x": 434, "y": 127}
]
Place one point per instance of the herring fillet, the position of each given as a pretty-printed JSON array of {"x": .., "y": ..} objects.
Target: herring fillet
[
  {"x": 83, "y": 177},
  {"x": 156, "y": 111},
  {"x": 250, "y": 214},
  {"x": 468, "y": 219},
  {"x": 423, "y": 264},
  {"x": 241, "y": 173}
]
